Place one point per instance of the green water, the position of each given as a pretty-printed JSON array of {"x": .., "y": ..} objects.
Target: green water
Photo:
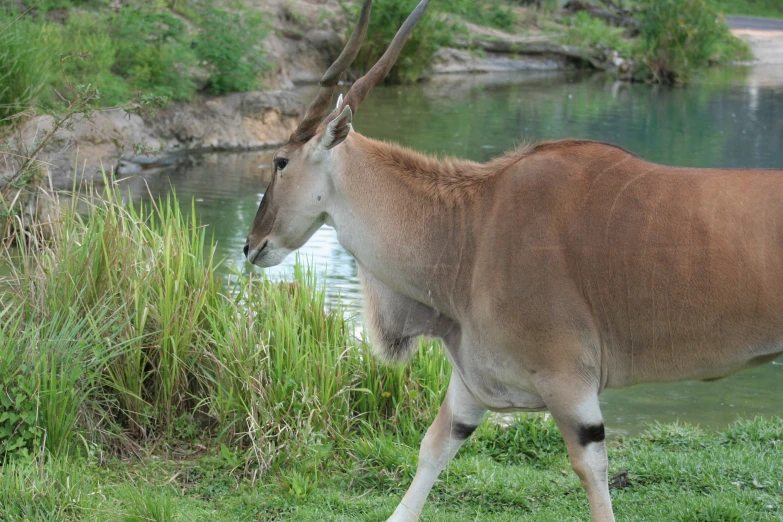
[{"x": 733, "y": 119}]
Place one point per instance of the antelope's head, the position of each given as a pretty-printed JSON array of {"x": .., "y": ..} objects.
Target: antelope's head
[{"x": 297, "y": 201}]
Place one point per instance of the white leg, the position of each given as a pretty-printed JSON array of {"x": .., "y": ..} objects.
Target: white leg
[
  {"x": 578, "y": 415},
  {"x": 458, "y": 416}
]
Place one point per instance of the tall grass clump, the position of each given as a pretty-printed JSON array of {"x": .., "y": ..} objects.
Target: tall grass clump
[
  {"x": 47, "y": 491},
  {"x": 119, "y": 330},
  {"x": 680, "y": 37}
]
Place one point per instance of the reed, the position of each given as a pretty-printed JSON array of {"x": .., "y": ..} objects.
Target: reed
[{"x": 145, "y": 340}]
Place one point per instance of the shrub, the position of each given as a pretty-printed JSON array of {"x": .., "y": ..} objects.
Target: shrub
[
  {"x": 678, "y": 37},
  {"x": 151, "y": 52},
  {"x": 228, "y": 45},
  {"x": 89, "y": 53},
  {"x": 494, "y": 13},
  {"x": 586, "y": 31},
  {"x": 26, "y": 65},
  {"x": 430, "y": 34}
]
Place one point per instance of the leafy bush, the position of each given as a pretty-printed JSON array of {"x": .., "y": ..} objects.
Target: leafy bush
[
  {"x": 138, "y": 48},
  {"x": 494, "y": 13},
  {"x": 26, "y": 67},
  {"x": 228, "y": 45},
  {"x": 19, "y": 432},
  {"x": 430, "y": 34},
  {"x": 586, "y": 32},
  {"x": 678, "y": 37},
  {"x": 152, "y": 52}
]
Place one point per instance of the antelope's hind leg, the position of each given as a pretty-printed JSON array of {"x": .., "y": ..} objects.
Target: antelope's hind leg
[{"x": 458, "y": 417}]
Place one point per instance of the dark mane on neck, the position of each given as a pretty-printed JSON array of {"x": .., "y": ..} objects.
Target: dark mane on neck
[{"x": 450, "y": 180}]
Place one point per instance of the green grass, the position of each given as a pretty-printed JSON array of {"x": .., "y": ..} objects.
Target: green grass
[
  {"x": 680, "y": 38},
  {"x": 587, "y": 32},
  {"x": 493, "y": 13},
  {"x": 765, "y": 8},
  {"x": 140, "y": 47},
  {"x": 148, "y": 342},
  {"x": 676, "y": 472},
  {"x": 137, "y": 384}
]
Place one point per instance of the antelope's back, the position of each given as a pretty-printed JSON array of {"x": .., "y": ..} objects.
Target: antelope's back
[{"x": 681, "y": 269}]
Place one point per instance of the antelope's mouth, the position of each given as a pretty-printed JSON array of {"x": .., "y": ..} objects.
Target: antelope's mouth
[{"x": 253, "y": 255}]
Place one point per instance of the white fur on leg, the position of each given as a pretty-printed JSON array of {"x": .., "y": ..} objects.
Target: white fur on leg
[
  {"x": 439, "y": 446},
  {"x": 426, "y": 474}
]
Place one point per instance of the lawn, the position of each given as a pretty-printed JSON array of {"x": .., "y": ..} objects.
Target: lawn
[{"x": 675, "y": 472}]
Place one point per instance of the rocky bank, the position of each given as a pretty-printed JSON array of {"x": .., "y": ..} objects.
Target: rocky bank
[{"x": 305, "y": 37}]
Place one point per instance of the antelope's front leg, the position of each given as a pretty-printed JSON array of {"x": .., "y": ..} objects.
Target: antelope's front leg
[{"x": 458, "y": 416}]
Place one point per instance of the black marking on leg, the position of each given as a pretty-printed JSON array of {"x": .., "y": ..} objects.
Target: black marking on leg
[
  {"x": 591, "y": 433},
  {"x": 462, "y": 431}
]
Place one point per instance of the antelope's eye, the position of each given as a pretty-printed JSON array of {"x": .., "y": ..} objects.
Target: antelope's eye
[{"x": 280, "y": 163}]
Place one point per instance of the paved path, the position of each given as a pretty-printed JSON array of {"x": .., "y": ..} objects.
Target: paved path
[
  {"x": 765, "y": 37},
  {"x": 754, "y": 23}
]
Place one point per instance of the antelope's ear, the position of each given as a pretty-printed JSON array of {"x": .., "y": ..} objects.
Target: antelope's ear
[{"x": 338, "y": 129}]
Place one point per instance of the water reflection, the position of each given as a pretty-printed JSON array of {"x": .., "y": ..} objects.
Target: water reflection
[{"x": 724, "y": 122}]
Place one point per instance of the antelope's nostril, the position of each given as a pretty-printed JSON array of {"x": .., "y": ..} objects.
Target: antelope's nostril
[{"x": 247, "y": 246}]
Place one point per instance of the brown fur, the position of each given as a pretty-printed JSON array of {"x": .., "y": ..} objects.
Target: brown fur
[
  {"x": 552, "y": 272},
  {"x": 451, "y": 181}
]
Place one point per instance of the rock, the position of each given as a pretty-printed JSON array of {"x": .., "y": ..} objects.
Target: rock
[
  {"x": 457, "y": 61},
  {"x": 113, "y": 139}
]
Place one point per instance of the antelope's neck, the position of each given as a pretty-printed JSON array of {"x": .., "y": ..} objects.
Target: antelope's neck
[{"x": 415, "y": 243}]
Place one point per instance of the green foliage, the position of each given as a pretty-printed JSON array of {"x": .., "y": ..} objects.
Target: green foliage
[
  {"x": 759, "y": 430},
  {"x": 710, "y": 482},
  {"x": 494, "y": 13},
  {"x": 20, "y": 435},
  {"x": 431, "y": 34},
  {"x": 26, "y": 67},
  {"x": 680, "y": 37},
  {"x": 139, "y": 47},
  {"x": 675, "y": 436},
  {"x": 532, "y": 439},
  {"x": 588, "y": 32},
  {"x": 228, "y": 45},
  {"x": 43, "y": 491},
  {"x": 152, "y": 52},
  {"x": 145, "y": 336},
  {"x": 45, "y": 6},
  {"x": 120, "y": 328},
  {"x": 768, "y": 8}
]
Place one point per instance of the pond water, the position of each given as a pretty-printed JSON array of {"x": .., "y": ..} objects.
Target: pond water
[{"x": 729, "y": 120}]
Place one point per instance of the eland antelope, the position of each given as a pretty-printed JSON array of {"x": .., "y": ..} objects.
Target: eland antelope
[{"x": 550, "y": 273}]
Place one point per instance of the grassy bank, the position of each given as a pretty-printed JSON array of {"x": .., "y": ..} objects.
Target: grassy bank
[
  {"x": 149, "y": 343},
  {"x": 137, "y": 384},
  {"x": 174, "y": 49},
  {"x": 765, "y": 8},
  {"x": 182, "y": 49}
]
